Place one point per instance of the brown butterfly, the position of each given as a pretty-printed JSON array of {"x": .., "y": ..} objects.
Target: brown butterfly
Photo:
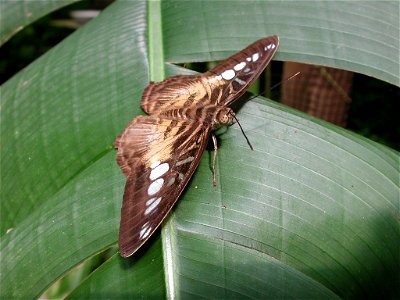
[{"x": 159, "y": 153}]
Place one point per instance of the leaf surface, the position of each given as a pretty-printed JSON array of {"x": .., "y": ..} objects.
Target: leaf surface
[
  {"x": 312, "y": 212},
  {"x": 15, "y": 15}
]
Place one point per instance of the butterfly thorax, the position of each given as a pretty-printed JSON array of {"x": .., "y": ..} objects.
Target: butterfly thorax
[{"x": 210, "y": 115}]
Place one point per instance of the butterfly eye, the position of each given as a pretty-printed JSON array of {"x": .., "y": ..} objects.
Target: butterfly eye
[
  {"x": 227, "y": 119},
  {"x": 224, "y": 116}
]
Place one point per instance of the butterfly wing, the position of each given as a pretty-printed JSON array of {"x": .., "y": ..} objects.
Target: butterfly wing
[
  {"x": 158, "y": 156},
  {"x": 241, "y": 69},
  {"x": 221, "y": 85}
]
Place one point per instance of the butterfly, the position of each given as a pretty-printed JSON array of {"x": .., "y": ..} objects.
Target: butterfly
[{"x": 159, "y": 153}]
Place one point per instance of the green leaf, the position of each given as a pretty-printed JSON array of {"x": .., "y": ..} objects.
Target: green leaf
[
  {"x": 115, "y": 278},
  {"x": 312, "y": 212},
  {"x": 15, "y": 15},
  {"x": 361, "y": 37}
]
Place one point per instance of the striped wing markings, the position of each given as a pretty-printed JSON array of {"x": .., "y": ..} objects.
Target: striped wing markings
[
  {"x": 158, "y": 166},
  {"x": 221, "y": 85}
]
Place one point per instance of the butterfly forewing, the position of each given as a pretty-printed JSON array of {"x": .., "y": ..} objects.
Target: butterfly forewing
[
  {"x": 159, "y": 156},
  {"x": 159, "y": 153},
  {"x": 240, "y": 70},
  {"x": 221, "y": 85}
]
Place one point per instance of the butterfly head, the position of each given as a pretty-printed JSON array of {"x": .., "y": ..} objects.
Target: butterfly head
[{"x": 223, "y": 116}]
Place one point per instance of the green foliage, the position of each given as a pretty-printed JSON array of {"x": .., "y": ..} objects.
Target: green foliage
[
  {"x": 15, "y": 15},
  {"x": 311, "y": 213}
]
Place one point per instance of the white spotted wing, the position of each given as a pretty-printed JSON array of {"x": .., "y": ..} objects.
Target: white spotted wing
[
  {"x": 158, "y": 156},
  {"x": 221, "y": 85}
]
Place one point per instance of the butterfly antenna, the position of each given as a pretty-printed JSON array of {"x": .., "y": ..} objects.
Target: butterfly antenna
[
  {"x": 255, "y": 96},
  {"x": 286, "y": 79},
  {"x": 248, "y": 142},
  {"x": 276, "y": 85}
]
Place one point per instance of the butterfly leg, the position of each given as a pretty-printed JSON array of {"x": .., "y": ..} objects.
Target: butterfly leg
[{"x": 214, "y": 160}]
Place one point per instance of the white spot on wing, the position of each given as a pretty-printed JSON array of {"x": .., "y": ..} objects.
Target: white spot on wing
[
  {"x": 155, "y": 186},
  {"x": 240, "y": 81},
  {"x": 255, "y": 56},
  {"x": 219, "y": 77},
  {"x": 171, "y": 181},
  {"x": 159, "y": 171},
  {"x": 150, "y": 201},
  {"x": 144, "y": 232},
  {"x": 184, "y": 161},
  {"x": 228, "y": 74},
  {"x": 155, "y": 164},
  {"x": 247, "y": 70},
  {"x": 152, "y": 206},
  {"x": 240, "y": 66},
  {"x": 248, "y": 58},
  {"x": 270, "y": 46}
]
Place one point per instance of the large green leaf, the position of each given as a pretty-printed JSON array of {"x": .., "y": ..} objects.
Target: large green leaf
[
  {"x": 312, "y": 212},
  {"x": 120, "y": 278},
  {"x": 361, "y": 37},
  {"x": 15, "y": 15}
]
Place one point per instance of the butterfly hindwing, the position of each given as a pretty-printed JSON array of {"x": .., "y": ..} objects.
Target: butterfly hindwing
[
  {"x": 158, "y": 156},
  {"x": 221, "y": 85}
]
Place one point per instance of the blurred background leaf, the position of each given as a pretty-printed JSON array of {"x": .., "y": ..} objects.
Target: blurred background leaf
[{"x": 15, "y": 15}]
